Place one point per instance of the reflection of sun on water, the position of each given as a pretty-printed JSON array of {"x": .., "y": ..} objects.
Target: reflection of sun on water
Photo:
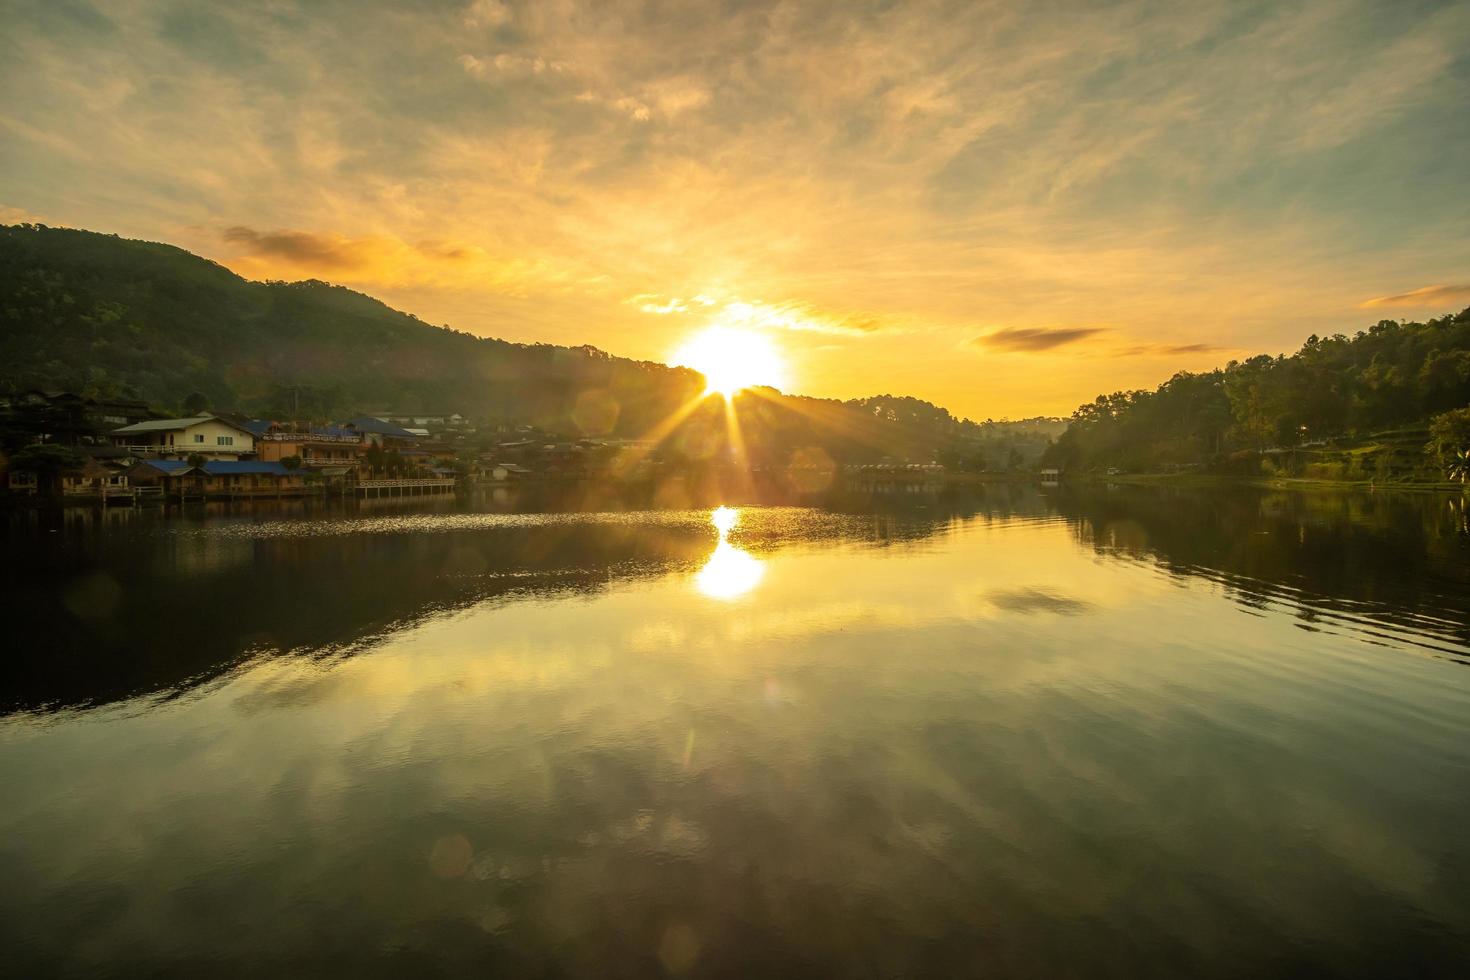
[
  {"x": 730, "y": 572},
  {"x": 724, "y": 519}
]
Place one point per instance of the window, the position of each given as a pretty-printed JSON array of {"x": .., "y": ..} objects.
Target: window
[
  {"x": 198, "y": 437},
  {"x": 224, "y": 440}
]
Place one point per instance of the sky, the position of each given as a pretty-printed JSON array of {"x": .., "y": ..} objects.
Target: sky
[{"x": 1002, "y": 207}]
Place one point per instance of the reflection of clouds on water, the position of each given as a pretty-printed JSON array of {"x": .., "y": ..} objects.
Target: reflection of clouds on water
[{"x": 1034, "y": 600}]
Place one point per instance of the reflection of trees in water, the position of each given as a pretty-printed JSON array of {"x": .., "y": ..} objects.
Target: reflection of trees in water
[
  {"x": 103, "y": 611},
  {"x": 1365, "y": 561}
]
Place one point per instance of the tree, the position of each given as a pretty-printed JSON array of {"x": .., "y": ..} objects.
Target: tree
[
  {"x": 291, "y": 462},
  {"x": 196, "y": 403},
  {"x": 1449, "y": 441},
  {"x": 48, "y": 461},
  {"x": 196, "y": 460}
]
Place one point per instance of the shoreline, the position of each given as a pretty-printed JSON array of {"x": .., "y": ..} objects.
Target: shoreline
[{"x": 1204, "y": 481}]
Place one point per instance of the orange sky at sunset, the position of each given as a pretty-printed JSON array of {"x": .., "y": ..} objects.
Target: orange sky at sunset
[{"x": 1005, "y": 208}]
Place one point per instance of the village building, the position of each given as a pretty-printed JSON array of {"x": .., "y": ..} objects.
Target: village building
[
  {"x": 208, "y": 435},
  {"x": 381, "y": 433},
  {"x": 71, "y": 419},
  {"x": 318, "y": 447},
  {"x": 217, "y": 478},
  {"x": 93, "y": 479}
]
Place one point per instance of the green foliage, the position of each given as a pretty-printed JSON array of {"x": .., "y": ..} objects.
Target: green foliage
[
  {"x": 1389, "y": 377},
  {"x": 195, "y": 459},
  {"x": 291, "y": 462},
  {"x": 1449, "y": 441},
  {"x": 47, "y": 459}
]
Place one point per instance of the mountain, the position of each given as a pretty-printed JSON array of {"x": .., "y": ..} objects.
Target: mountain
[
  {"x": 1357, "y": 407},
  {"x": 103, "y": 315}
]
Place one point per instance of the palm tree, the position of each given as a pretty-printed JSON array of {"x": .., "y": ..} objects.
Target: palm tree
[{"x": 1459, "y": 466}]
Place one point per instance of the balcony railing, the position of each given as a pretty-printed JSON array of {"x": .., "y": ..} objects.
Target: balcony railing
[{"x": 308, "y": 437}]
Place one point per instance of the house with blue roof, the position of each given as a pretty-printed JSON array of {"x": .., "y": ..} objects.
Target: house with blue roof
[{"x": 218, "y": 478}]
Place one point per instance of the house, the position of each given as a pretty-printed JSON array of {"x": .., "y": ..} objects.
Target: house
[
  {"x": 27, "y": 483},
  {"x": 381, "y": 432},
  {"x": 218, "y": 478},
  {"x": 208, "y": 435},
  {"x": 318, "y": 447},
  {"x": 70, "y": 419},
  {"x": 93, "y": 479}
]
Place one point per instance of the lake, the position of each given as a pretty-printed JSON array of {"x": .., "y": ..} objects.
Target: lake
[{"x": 1006, "y": 732}]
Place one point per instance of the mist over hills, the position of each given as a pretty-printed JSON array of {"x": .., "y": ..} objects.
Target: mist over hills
[{"x": 103, "y": 315}]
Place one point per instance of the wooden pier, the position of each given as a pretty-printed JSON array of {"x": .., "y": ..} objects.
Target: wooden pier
[{"x": 404, "y": 488}]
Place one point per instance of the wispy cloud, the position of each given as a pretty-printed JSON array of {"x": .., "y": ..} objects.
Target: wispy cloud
[
  {"x": 1032, "y": 339},
  {"x": 1169, "y": 350},
  {"x": 370, "y": 258},
  {"x": 1424, "y": 296}
]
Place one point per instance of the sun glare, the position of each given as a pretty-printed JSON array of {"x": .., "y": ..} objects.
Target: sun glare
[
  {"x": 730, "y": 572},
  {"x": 732, "y": 359}
]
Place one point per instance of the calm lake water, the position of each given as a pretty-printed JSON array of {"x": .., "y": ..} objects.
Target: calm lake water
[{"x": 1124, "y": 733}]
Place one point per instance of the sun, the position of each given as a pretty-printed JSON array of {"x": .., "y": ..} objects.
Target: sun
[{"x": 732, "y": 359}]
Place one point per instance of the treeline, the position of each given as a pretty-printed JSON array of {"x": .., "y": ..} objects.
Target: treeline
[
  {"x": 108, "y": 317},
  {"x": 1391, "y": 377}
]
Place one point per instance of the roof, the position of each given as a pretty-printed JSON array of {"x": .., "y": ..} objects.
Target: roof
[
  {"x": 169, "y": 466},
  {"x": 225, "y": 467},
  {"x": 380, "y": 427},
  {"x": 217, "y": 467},
  {"x": 174, "y": 425},
  {"x": 258, "y": 427}
]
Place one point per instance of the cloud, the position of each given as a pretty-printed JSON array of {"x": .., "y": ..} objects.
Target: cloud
[
  {"x": 1441, "y": 296},
  {"x": 310, "y": 250},
  {"x": 507, "y": 65},
  {"x": 487, "y": 13},
  {"x": 1034, "y": 600},
  {"x": 19, "y": 216},
  {"x": 1169, "y": 350},
  {"x": 795, "y": 316},
  {"x": 373, "y": 259},
  {"x": 1032, "y": 339}
]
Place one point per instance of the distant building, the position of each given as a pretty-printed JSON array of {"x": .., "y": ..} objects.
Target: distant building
[
  {"x": 71, "y": 419},
  {"x": 381, "y": 432},
  {"x": 207, "y": 435}
]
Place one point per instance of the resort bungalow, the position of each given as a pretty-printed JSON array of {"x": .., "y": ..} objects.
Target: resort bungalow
[
  {"x": 318, "y": 447},
  {"x": 94, "y": 480},
  {"x": 218, "y": 478},
  {"x": 207, "y": 435}
]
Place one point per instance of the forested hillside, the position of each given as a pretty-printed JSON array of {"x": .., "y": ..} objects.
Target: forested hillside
[
  {"x": 101, "y": 315},
  {"x": 1389, "y": 382}
]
